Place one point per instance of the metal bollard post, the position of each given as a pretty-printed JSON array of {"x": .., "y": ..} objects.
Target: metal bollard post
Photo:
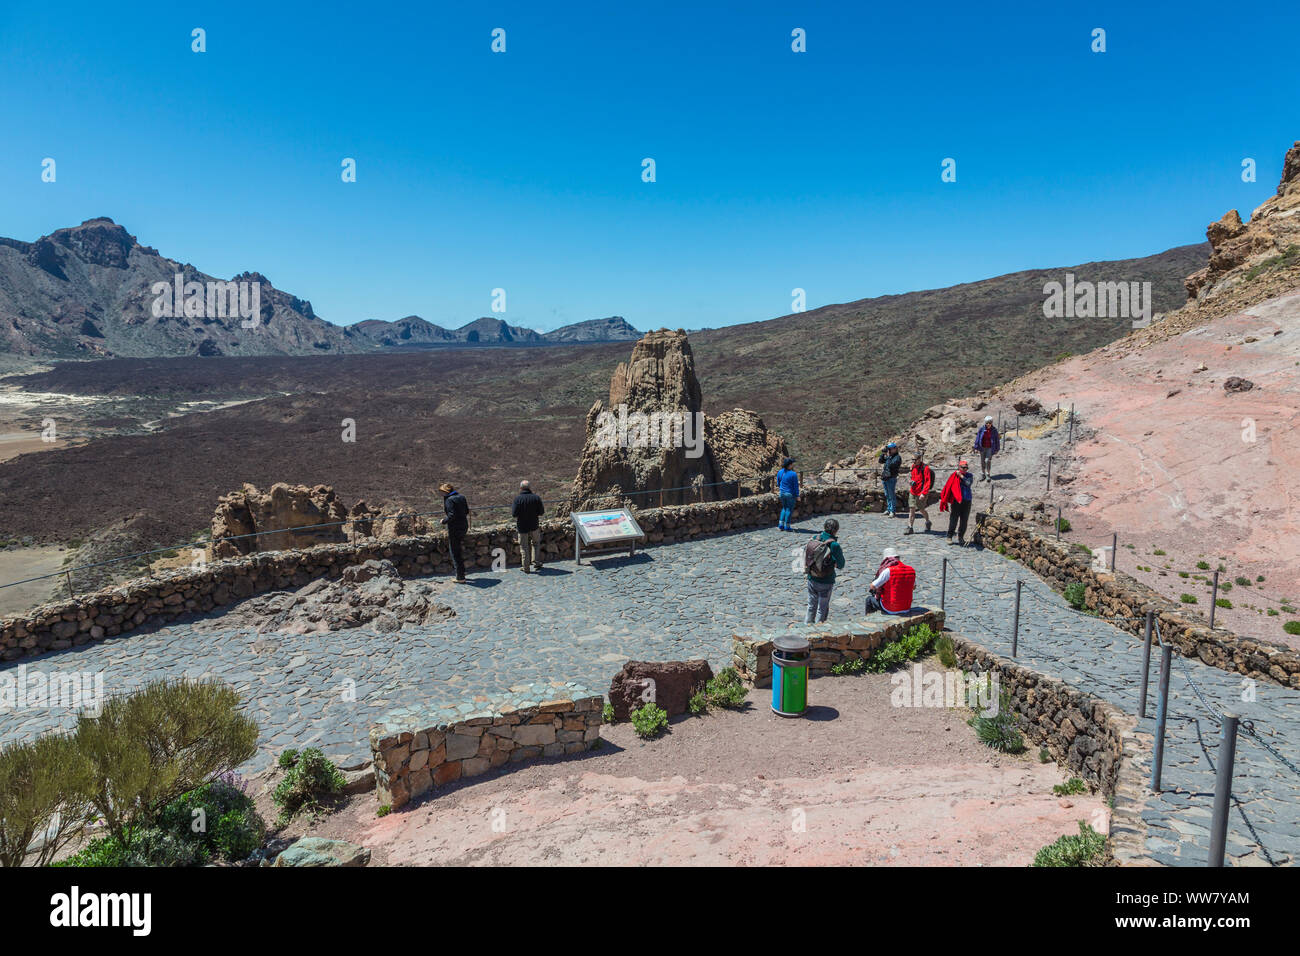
[
  {"x": 991, "y": 484},
  {"x": 943, "y": 584},
  {"x": 68, "y": 576},
  {"x": 1162, "y": 712},
  {"x": 1223, "y": 789},
  {"x": 1114, "y": 542},
  {"x": 1071, "y": 439},
  {"x": 1049, "y": 473},
  {"x": 1146, "y": 667},
  {"x": 1058, "y": 522},
  {"x": 1214, "y": 600},
  {"x": 1015, "y": 625}
]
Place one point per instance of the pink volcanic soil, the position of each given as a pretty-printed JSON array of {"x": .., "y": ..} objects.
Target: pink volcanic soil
[
  {"x": 1166, "y": 460},
  {"x": 874, "y": 785}
]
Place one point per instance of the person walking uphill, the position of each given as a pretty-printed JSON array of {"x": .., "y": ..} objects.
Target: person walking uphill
[
  {"x": 922, "y": 480},
  {"x": 988, "y": 443},
  {"x": 787, "y": 483},
  {"x": 892, "y": 463},
  {"x": 527, "y": 511},
  {"x": 821, "y": 556},
  {"x": 457, "y": 521},
  {"x": 956, "y": 499}
]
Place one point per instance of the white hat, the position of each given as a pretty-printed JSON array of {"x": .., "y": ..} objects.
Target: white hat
[
  {"x": 988, "y": 418},
  {"x": 889, "y": 553}
]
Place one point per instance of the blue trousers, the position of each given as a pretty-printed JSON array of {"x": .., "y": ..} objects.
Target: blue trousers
[
  {"x": 787, "y": 506},
  {"x": 890, "y": 503}
]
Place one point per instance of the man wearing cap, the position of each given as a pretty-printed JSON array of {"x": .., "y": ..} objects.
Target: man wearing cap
[
  {"x": 956, "y": 500},
  {"x": 527, "y": 511},
  {"x": 787, "y": 483},
  {"x": 919, "y": 492},
  {"x": 457, "y": 521},
  {"x": 891, "y": 463},
  {"x": 987, "y": 443},
  {"x": 891, "y": 591}
]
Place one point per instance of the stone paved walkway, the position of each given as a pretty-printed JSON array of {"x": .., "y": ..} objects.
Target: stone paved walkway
[{"x": 580, "y": 623}]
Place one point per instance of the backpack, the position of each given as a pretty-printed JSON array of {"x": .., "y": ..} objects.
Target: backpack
[{"x": 817, "y": 558}]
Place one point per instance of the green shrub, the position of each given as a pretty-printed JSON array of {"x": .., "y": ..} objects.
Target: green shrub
[
  {"x": 1242, "y": 582},
  {"x": 384, "y": 810},
  {"x": 1259, "y": 579},
  {"x": 843, "y": 668},
  {"x": 1182, "y": 574},
  {"x": 287, "y": 759},
  {"x": 1070, "y": 787},
  {"x": 1203, "y": 565},
  {"x": 219, "y": 817},
  {"x": 607, "y": 713},
  {"x": 726, "y": 689},
  {"x": 649, "y": 721},
  {"x": 45, "y": 789},
  {"x": 1085, "y": 849},
  {"x": 1223, "y": 602},
  {"x": 911, "y": 645},
  {"x": 1158, "y": 551},
  {"x": 1272, "y": 612},
  {"x": 1291, "y": 627},
  {"x": 946, "y": 651},
  {"x": 1044, "y": 755},
  {"x": 148, "y": 748},
  {"x": 311, "y": 777},
  {"x": 1187, "y": 598},
  {"x": 1225, "y": 587},
  {"x": 148, "y": 846},
  {"x": 999, "y": 731},
  {"x": 698, "y": 703},
  {"x": 1063, "y": 525},
  {"x": 1076, "y": 593}
]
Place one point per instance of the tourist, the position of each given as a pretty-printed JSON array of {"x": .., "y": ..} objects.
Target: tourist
[
  {"x": 891, "y": 591},
  {"x": 892, "y": 463},
  {"x": 922, "y": 479},
  {"x": 956, "y": 500},
  {"x": 527, "y": 511},
  {"x": 821, "y": 556},
  {"x": 988, "y": 443},
  {"x": 457, "y": 522},
  {"x": 787, "y": 483}
]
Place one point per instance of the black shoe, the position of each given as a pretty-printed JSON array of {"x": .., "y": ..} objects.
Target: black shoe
[
  {"x": 927, "y": 526},
  {"x": 909, "y": 531}
]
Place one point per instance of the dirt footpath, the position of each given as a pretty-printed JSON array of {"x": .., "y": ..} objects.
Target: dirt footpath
[{"x": 857, "y": 781}]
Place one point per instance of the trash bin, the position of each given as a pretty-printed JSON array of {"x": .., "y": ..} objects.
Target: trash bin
[{"x": 790, "y": 675}]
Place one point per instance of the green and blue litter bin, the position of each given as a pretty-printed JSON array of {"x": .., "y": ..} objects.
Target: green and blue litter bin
[{"x": 790, "y": 675}]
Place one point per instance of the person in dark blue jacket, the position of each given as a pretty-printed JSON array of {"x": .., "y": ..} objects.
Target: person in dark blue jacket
[
  {"x": 787, "y": 483},
  {"x": 456, "y": 509}
]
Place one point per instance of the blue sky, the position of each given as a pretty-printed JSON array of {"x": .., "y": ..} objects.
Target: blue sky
[{"x": 522, "y": 170}]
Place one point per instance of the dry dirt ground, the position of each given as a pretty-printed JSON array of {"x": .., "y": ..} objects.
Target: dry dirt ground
[{"x": 856, "y": 781}]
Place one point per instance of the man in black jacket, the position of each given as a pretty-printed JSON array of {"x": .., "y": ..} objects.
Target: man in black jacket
[
  {"x": 528, "y": 510},
  {"x": 457, "y": 522}
]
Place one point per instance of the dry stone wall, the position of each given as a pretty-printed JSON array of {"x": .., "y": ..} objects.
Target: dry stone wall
[
  {"x": 1123, "y": 601},
  {"x": 152, "y": 602}
]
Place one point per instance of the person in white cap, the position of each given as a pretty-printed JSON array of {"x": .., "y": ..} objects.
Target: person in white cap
[
  {"x": 988, "y": 443},
  {"x": 891, "y": 591}
]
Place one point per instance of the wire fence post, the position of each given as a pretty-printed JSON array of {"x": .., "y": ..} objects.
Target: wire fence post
[
  {"x": 943, "y": 584},
  {"x": 1146, "y": 666},
  {"x": 1214, "y": 603},
  {"x": 1058, "y": 522},
  {"x": 1015, "y": 624},
  {"x": 1114, "y": 546},
  {"x": 991, "y": 484},
  {"x": 1162, "y": 713},
  {"x": 1017, "y": 424},
  {"x": 68, "y": 576},
  {"x": 1071, "y": 439},
  {"x": 1223, "y": 789}
]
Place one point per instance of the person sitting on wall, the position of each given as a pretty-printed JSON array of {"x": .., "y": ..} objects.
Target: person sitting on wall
[{"x": 891, "y": 591}]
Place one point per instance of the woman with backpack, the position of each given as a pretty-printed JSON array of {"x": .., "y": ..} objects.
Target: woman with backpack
[
  {"x": 821, "y": 556},
  {"x": 787, "y": 483}
]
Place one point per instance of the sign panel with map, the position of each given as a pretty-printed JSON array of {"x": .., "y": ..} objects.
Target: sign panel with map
[{"x": 606, "y": 527}]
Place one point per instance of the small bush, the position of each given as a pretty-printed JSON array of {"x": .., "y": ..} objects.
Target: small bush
[
  {"x": 908, "y": 647},
  {"x": 1202, "y": 565},
  {"x": 384, "y": 810},
  {"x": 844, "y": 668},
  {"x": 1182, "y": 574},
  {"x": 698, "y": 703},
  {"x": 1000, "y": 731},
  {"x": 288, "y": 759},
  {"x": 1070, "y": 787},
  {"x": 947, "y": 653},
  {"x": 1224, "y": 586},
  {"x": 1223, "y": 602},
  {"x": 726, "y": 689},
  {"x": 311, "y": 777},
  {"x": 1242, "y": 582},
  {"x": 1272, "y": 612},
  {"x": 1076, "y": 593},
  {"x": 219, "y": 817},
  {"x": 149, "y": 846},
  {"x": 1063, "y": 525},
  {"x": 1085, "y": 849},
  {"x": 1187, "y": 598},
  {"x": 1044, "y": 755},
  {"x": 1291, "y": 627},
  {"x": 607, "y": 713},
  {"x": 649, "y": 721},
  {"x": 1158, "y": 551},
  {"x": 44, "y": 793}
]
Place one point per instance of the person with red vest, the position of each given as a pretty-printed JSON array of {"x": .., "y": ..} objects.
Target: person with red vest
[
  {"x": 922, "y": 482},
  {"x": 891, "y": 592},
  {"x": 956, "y": 499}
]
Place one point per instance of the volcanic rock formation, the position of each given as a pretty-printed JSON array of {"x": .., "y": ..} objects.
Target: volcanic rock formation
[
  {"x": 251, "y": 512},
  {"x": 653, "y": 434}
]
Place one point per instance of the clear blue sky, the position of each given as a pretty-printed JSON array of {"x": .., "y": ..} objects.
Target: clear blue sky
[{"x": 522, "y": 170}]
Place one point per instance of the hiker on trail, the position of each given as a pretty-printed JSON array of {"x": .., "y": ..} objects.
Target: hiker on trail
[
  {"x": 527, "y": 511},
  {"x": 956, "y": 500},
  {"x": 821, "y": 556},
  {"x": 457, "y": 522},
  {"x": 892, "y": 463},
  {"x": 787, "y": 483},
  {"x": 988, "y": 443},
  {"x": 891, "y": 591},
  {"x": 919, "y": 492}
]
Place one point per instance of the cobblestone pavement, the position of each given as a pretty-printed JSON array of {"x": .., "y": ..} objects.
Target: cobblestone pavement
[{"x": 581, "y": 622}]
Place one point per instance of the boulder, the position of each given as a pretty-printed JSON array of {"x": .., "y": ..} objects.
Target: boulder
[
  {"x": 674, "y": 682},
  {"x": 252, "y": 512},
  {"x": 318, "y": 851},
  {"x": 1235, "y": 383}
]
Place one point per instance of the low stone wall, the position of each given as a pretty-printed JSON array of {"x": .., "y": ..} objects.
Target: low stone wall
[
  {"x": 156, "y": 601},
  {"x": 414, "y": 754},
  {"x": 834, "y": 642},
  {"x": 1117, "y": 596},
  {"x": 1091, "y": 737}
]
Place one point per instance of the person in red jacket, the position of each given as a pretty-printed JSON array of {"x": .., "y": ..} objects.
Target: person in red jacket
[
  {"x": 891, "y": 591},
  {"x": 957, "y": 494},
  {"x": 922, "y": 482}
]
